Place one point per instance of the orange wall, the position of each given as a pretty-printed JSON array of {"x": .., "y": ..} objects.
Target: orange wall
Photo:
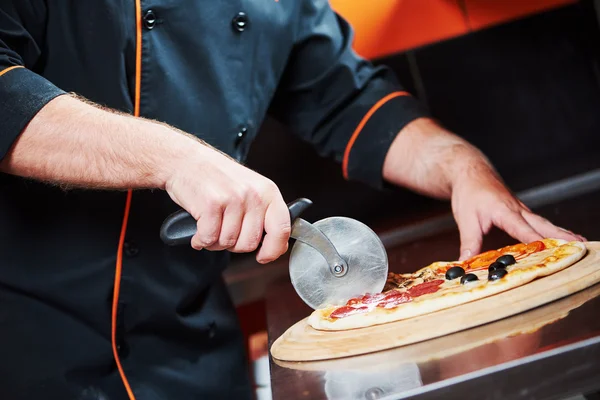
[{"x": 384, "y": 27}]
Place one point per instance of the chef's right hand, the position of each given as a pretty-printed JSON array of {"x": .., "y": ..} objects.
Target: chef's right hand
[{"x": 232, "y": 204}]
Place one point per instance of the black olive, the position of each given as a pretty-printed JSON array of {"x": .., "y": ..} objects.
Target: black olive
[
  {"x": 454, "y": 272},
  {"x": 468, "y": 278},
  {"x": 506, "y": 259},
  {"x": 497, "y": 274},
  {"x": 496, "y": 265}
]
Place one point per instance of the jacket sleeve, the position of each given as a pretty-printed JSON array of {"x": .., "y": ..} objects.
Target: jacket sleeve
[
  {"x": 329, "y": 96},
  {"x": 22, "y": 92}
]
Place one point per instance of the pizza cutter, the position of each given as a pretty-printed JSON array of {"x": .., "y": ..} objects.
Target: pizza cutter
[{"x": 331, "y": 261}]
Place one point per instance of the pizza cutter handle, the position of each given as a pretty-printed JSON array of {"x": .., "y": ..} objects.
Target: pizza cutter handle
[
  {"x": 297, "y": 208},
  {"x": 179, "y": 227}
]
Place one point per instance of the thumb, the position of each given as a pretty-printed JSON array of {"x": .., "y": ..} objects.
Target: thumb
[{"x": 471, "y": 235}]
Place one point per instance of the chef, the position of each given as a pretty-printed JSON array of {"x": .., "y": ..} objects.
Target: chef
[{"x": 116, "y": 113}]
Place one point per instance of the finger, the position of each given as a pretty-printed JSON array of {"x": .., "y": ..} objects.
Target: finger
[
  {"x": 278, "y": 228},
  {"x": 515, "y": 225},
  {"x": 251, "y": 231},
  {"x": 230, "y": 227},
  {"x": 548, "y": 229},
  {"x": 471, "y": 234},
  {"x": 208, "y": 228}
]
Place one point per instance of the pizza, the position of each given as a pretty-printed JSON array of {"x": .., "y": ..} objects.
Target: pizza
[{"x": 446, "y": 284}]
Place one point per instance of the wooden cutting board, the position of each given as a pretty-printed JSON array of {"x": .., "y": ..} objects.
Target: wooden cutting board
[
  {"x": 458, "y": 342},
  {"x": 303, "y": 343}
]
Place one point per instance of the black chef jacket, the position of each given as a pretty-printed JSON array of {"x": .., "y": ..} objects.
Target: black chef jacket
[{"x": 215, "y": 69}]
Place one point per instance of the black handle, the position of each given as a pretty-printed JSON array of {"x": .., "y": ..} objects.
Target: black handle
[{"x": 179, "y": 227}]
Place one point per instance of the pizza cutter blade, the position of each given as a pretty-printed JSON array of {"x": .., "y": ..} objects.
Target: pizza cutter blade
[
  {"x": 333, "y": 260},
  {"x": 316, "y": 272}
]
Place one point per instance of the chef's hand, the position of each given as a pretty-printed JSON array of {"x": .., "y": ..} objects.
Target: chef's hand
[
  {"x": 480, "y": 200},
  {"x": 232, "y": 204},
  {"x": 429, "y": 160}
]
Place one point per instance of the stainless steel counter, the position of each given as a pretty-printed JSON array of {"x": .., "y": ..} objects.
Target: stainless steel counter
[{"x": 546, "y": 353}]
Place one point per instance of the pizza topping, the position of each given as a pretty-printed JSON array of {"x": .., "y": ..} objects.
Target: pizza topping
[
  {"x": 507, "y": 253},
  {"x": 482, "y": 260},
  {"x": 394, "y": 298},
  {"x": 497, "y": 274},
  {"x": 391, "y": 299},
  {"x": 496, "y": 265},
  {"x": 507, "y": 259},
  {"x": 454, "y": 272},
  {"x": 366, "y": 299},
  {"x": 534, "y": 247},
  {"x": 425, "y": 288},
  {"x": 514, "y": 248},
  {"x": 468, "y": 278},
  {"x": 348, "y": 310}
]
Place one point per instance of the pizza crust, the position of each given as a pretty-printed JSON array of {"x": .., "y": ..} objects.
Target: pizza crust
[{"x": 560, "y": 255}]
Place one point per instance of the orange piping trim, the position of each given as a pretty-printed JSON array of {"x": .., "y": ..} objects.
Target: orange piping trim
[
  {"x": 117, "y": 287},
  {"x": 10, "y": 69},
  {"x": 362, "y": 124},
  {"x": 138, "y": 57},
  {"x": 119, "y": 263}
]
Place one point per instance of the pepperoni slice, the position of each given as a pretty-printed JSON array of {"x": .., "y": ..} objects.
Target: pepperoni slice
[
  {"x": 366, "y": 299},
  {"x": 347, "y": 310},
  {"x": 394, "y": 298},
  {"x": 425, "y": 288}
]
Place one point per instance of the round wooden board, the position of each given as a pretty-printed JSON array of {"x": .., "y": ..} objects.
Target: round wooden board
[{"x": 303, "y": 343}]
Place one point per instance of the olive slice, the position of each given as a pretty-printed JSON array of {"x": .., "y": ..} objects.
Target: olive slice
[
  {"x": 506, "y": 259},
  {"x": 497, "y": 274},
  {"x": 496, "y": 265},
  {"x": 468, "y": 278},
  {"x": 454, "y": 272}
]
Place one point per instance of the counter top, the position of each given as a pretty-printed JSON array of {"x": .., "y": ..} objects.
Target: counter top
[{"x": 547, "y": 352}]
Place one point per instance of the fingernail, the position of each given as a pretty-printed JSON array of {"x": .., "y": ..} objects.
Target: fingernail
[{"x": 465, "y": 254}]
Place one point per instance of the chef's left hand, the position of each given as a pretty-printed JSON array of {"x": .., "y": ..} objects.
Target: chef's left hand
[
  {"x": 430, "y": 160},
  {"x": 480, "y": 201}
]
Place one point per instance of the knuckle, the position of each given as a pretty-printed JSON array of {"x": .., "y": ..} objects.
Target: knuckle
[
  {"x": 237, "y": 197},
  {"x": 218, "y": 201},
  {"x": 209, "y": 239},
  {"x": 214, "y": 205},
  {"x": 253, "y": 195},
  {"x": 228, "y": 241},
  {"x": 268, "y": 186},
  {"x": 254, "y": 239},
  {"x": 250, "y": 243},
  {"x": 206, "y": 239}
]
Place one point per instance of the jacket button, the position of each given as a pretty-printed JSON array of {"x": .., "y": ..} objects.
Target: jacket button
[
  {"x": 240, "y": 21},
  {"x": 130, "y": 249},
  {"x": 149, "y": 19},
  {"x": 241, "y": 134},
  {"x": 212, "y": 330}
]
